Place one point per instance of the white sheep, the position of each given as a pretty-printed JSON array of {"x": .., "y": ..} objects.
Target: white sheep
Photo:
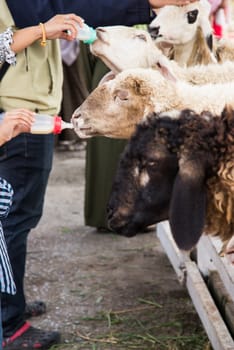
[
  {"x": 122, "y": 47},
  {"x": 188, "y": 30},
  {"x": 115, "y": 107}
]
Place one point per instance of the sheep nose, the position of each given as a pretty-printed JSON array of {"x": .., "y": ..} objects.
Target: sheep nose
[
  {"x": 75, "y": 123},
  {"x": 100, "y": 30},
  {"x": 102, "y": 34},
  {"x": 76, "y": 115},
  {"x": 74, "y": 119},
  {"x": 154, "y": 32}
]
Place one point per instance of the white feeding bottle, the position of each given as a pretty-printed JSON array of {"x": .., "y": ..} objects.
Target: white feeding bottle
[{"x": 46, "y": 124}]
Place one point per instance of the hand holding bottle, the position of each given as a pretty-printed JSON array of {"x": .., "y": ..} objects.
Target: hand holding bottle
[
  {"x": 60, "y": 25},
  {"x": 69, "y": 27},
  {"x": 15, "y": 122}
]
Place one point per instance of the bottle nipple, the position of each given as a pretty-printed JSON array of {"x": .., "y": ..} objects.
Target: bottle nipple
[
  {"x": 60, "y": 124},
  {"x": 66, "y": 125}
]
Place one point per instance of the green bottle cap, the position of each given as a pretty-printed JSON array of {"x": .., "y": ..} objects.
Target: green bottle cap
[{"x": 93, "y": 36}]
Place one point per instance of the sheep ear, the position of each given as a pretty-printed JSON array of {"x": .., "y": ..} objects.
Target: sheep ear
[
  {"x": 209, "y": 40},
  {"x": 165, "y": 70},
  {"x": 188, "y": 205},
  {"x": 108, "y": 76},
  {"x": 167, "y": 73}
]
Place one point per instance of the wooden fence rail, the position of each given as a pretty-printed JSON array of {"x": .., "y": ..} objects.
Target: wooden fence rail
[{"x": 209, "y": 280}]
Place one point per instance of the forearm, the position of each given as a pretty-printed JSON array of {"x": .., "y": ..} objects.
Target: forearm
[
  {"x": 24, "y": 37},
  {"x": 161, "y": 3}
]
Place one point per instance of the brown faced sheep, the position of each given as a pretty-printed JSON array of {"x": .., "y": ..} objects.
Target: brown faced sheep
[
  {"x": 114, "y": 108},
  {"x": 181, "y": 170}
]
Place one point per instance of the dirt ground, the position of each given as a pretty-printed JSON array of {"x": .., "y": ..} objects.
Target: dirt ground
[{"x": 103, "y": 291}]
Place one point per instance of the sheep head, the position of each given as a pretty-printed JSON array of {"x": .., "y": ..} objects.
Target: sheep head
[
  {"x": 177, "y": 25},
  {"x": 115, "y": 107},
  {"x": 122, "y": 47},
  {"x": 141, "y": 192},
  {"x": 163, "y": 175}
]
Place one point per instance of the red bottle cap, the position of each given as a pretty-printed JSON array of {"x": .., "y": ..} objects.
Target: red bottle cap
[{"x": 57, "y": 124}]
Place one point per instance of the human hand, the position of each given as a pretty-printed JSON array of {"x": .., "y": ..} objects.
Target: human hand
[
  {"x": 63, "y": 26},
  {"x": 161, "y": 3},
  {"x": 14, "y": 123}
]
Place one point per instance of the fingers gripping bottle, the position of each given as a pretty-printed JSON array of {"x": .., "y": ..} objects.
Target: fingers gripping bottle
[{"x": 46, "y": 124}]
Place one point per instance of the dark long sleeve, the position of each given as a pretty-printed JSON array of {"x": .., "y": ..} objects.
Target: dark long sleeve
[{"x": 95, "y": 13}]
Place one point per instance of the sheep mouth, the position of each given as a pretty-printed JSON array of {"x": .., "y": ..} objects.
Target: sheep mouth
[
  {"x": 82, "y": 130},
  {"x": 82, "y": 126},
  {"x": 83, "y": 133},
  {"x": 166, "y": 41},
  {"x": 166, "y": 44},
  {"x": 125, "y": 228},
  {"x": 122, "y": 230}
]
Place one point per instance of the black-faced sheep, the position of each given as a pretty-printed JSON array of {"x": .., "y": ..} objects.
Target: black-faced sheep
[
  {"x": 114, "y": 108},
  {"x": 177, "y": 169}
]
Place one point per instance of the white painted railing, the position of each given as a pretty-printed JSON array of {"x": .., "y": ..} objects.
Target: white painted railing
[{"x": 193, "y": 274}]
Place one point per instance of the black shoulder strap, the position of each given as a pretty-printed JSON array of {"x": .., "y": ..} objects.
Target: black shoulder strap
[{"x": 3, "y": 69}]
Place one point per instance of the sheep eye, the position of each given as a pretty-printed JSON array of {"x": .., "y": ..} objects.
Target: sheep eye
[
  {"x": 122, "y": 95},
  {"x": 141, "y": 37},
  {"x": 192, "y": 16},
  {"x": 151, "y": 163}
]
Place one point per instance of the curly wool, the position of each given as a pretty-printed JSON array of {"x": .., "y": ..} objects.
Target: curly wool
[
  {"x": 220, "y": 211},
  {"x": 210, "y": 139}
]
